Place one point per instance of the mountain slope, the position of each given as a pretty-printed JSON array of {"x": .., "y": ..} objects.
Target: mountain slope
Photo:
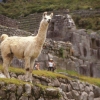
[{"x": 15, "y": 8}]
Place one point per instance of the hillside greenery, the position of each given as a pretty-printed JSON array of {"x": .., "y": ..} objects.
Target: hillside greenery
[
  {"x": 91, "y": 80},
  {"x": 15, "y": 8},
  {"x": 90, "y": 22}
]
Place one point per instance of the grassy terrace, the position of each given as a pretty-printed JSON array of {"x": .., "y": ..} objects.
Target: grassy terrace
[
  {"x": 16, "y": 8},
  {"x": 35, "y": 72},
  {"x": 95, "y": 81},
  {"x": 13, "y": 81},
  {"x": 91, "y": 80}
]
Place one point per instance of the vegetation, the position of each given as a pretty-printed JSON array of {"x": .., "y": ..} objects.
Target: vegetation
[
  {"x": 36, "y": 72},
  {"x": 90, "y": 22},
  {"x": 91, "y": 80},
  {"x": 70, "y": 72},
  {"x": 15, "y": 8},
  {"x": 95, "y": 81},
  {"x": 13, "y": 81},
  {"x": 61, "y": 53}
]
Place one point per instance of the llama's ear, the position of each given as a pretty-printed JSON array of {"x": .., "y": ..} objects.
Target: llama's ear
[
  {"x": 45, "y": 13},
  {"x": 51, "y": 15}
]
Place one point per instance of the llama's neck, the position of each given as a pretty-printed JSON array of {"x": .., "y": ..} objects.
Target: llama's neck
[{"x": 41, "y": 36}]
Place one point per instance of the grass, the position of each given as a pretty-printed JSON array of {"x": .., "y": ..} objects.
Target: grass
[
  {"x": 15, "y": 70},
  {"x": 23, "y": 7},
  {"x": 91, "y": 80},
  {"x": 36, "y": 72},
  {"x": 13, "y": 81},
  {"x": 95, "y": 81},
  {"x": 49, "y": 74},
  {"x": 72, "y": 73},
  {"x": 90, "y": 22}
]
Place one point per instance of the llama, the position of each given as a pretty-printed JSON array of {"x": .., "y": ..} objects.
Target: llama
[{"x": 27, "y": 48}]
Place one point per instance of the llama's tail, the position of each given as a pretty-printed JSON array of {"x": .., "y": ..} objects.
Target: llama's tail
[{"x": 3, "y": 37}]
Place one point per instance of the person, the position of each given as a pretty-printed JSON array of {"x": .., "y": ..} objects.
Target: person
[
  {"x": 51, "y": 65},
  {"x": 37, "y": 66}
]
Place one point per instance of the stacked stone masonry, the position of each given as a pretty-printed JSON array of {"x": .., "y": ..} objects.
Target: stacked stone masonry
[
  {"x": 5, "y": 21},
  {"x": 56, "y": 89}
]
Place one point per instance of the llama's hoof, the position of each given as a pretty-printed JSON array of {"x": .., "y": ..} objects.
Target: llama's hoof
[{"x": 2, "y": 75}]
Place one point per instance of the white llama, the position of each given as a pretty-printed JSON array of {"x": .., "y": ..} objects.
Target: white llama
[{"x": 27, "y": 48}]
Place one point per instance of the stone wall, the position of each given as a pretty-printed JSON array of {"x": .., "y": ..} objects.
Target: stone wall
[
  {"x": 13, "y": 31},
  {"x": 50, "y": 89},
  {"x": 87, "y": 47},
  {"x": 5, "y": 21},
  {"x": 31, "y": 22},
  {"x": 60, "y": 26},
  {"x": 87, "y": 13}
]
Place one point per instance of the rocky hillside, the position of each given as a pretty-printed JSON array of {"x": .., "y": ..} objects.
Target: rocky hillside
[{"x": 63, "y": 37}]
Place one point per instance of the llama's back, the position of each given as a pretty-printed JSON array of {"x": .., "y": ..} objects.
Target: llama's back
[{"x": 17, "y": 45}]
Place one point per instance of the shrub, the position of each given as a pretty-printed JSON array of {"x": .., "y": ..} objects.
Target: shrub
[{"x": 61, "y": 53}]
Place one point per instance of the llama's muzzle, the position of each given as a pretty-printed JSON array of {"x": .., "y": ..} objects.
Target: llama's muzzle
[{"x": 49, "y": 20}]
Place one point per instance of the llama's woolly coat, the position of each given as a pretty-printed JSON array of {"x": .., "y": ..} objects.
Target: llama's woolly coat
[{"x": 20, "y": 47}]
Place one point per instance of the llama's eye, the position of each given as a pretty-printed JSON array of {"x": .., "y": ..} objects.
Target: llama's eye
[{"x": 44, "y": 18}]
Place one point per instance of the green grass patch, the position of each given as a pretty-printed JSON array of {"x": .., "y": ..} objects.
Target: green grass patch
[
  {"x": 91, "y": 22},
  {"x": 45, "y": 73},
  {"x": 91, "y": 80},
  {"x": 49, "y": 74},
  {"x": 95, "y": 81},
  {"x": 13, "y": 81},
  {"x": 70, "y": 72},
  {"x": 14, "y": 69}
]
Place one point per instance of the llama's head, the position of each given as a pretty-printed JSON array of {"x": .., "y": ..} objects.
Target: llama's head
[{"x": 47, "y": 18}]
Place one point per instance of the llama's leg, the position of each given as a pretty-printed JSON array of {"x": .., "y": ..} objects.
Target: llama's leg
[
  {"x": 6, "y": 63},
  {"x": 31, "y": 68},
  {"x": 27, "y": 68}
]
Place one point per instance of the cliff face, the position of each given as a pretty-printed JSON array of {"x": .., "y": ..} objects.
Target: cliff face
[{"x": 85, "y": 43}]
